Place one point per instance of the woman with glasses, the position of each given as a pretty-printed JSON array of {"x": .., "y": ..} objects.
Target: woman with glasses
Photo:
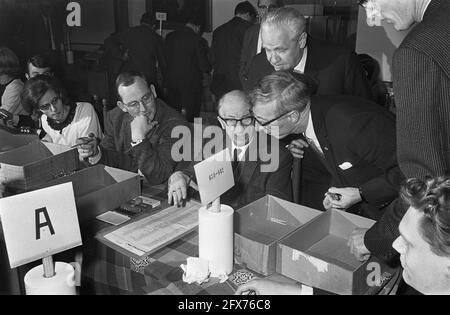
[
  {"x": 10, "y": 84},
  {"x": 63, "y": 120}
]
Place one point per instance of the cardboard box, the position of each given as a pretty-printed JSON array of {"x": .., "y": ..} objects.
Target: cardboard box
[
  {"x": 260, "y": 225},
  {"x": 99, "y": 189},
  {"x": 317, "y": 255},
  {"x": 33, "y": 164},
  {"x": 10, "y": 141}
]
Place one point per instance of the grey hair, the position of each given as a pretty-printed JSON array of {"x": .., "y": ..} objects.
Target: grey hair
[
  {"x": 285, "y": 16},
  {"x": 237, "y": 93},
  {"x": 288, "y": 92}
]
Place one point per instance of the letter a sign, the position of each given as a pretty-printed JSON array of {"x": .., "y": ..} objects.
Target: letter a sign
[{"x": 40, "y": 223}]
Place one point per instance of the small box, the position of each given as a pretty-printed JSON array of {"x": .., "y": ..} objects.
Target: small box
[
  {"x": 260, "y": 225},
  {"x": 99, "y": 189},
  {"x": 317, "y": 255},
  {"x": 10, "y": 141},
  {"x": 29, "y": 166}
]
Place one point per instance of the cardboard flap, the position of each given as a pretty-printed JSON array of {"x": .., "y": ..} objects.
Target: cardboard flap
[
  {"x": 117, "y": 175},
  {"x": 356, "y": 220},
  {"x": 293, "y": 214},
  {"x": 56, "y": 149},
  {"x": 26, "y": 154},
  {"x": 9, "y": 141}
]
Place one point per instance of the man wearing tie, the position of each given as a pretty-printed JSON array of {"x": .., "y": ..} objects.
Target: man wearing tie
[
  {"x": 252, "y": 179},
  {"x": 354, "y": 140}
]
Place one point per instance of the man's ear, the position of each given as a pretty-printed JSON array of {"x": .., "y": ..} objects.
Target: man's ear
[
  {"x": 152, "y": 88},
  {"x": 294, "y": 117},
  {"x": 222, "y": 123},
  {"x": 27, "y": 76},
  {"x": 122, "y": 106}
]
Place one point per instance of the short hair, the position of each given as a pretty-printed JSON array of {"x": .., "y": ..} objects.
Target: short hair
[
  {"x": 289, "y": 91},
  {"x": 286, "y": 16},
  {"x": 278, "y": 3},
  {"x": 128, "y": 78},
  {"x": 244, "y": 8},
  {"x": 35, "y": 88},
  {"x": 9, "y": 62},
  {"x": 432, "y": 198},
  {"x": 244, "y": 95},
  {"x": 39, "y": 61}
]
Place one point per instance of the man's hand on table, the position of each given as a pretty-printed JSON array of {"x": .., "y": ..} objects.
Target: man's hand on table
[
  {"x": 356, "y": 244},
  {"x": 268, "y": 287},
  {"x": 177, "y": 191}
]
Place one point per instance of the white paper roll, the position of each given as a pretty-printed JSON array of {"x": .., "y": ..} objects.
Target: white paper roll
[
  {"x": 62, "y": 283},
  {"x": 215, "y": 231}
]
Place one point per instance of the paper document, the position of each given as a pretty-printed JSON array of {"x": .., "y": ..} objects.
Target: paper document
[{"x": 155, "y": 231}]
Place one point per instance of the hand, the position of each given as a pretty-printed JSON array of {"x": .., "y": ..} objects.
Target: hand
[
  {"x": 356, "y": 244},
  {"x": 88, "y": 146},
  {"x": 140, "y": 127},
  {"x": 268, "y": 287},
  {"x": 349, "y": 197},
  {"x": 296, "y": 148},
  {"x": 178, "y": 184}
]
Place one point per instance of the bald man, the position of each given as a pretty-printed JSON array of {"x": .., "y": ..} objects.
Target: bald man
[{"x": 259, "y": 167}]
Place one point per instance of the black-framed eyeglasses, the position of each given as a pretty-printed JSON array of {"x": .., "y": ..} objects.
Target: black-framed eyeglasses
[
  {"x": 266, "y": 123},
  {"x": 363, "y": 3},
  {"x": 145, "y": 100},
  {"x": 245, "y": 122},
  {"x": 46, "y": 106}
]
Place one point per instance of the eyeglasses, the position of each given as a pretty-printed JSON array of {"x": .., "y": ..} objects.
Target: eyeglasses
[
  {"x": 267, "y": 7},
  {"x": 264, "y": 124},
  {"x": 45, "y": 107},
  {"x": 145, "y": 100},
  {"x": 363, "y": 3},
  {"x": 245, "y": 122}
]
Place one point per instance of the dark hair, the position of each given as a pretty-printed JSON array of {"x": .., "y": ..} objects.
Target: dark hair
[
  {"x": 39, "y": 61},
  {"x": 35, "y": 88},
  {"x": 9, "y": 62},
  {"x": 432, "y": 197},
  {"x": 146, "y": 18},
  {"x": 290, "y": 91},
  {"x": 244, "y": 8},
  {"x": 128, "y": 78}
]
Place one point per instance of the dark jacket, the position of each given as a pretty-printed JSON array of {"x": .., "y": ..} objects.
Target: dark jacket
[
  {"x": 225, "y": 55},
  {"x": 153, "y": 157},
  {"x": 248, "y": 52},
  {"x": 360, "y": 134},
  {"x": 421, "y": 72}
]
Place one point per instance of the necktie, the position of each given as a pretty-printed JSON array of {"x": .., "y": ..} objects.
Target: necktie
[{"x": 313, "y": 146}]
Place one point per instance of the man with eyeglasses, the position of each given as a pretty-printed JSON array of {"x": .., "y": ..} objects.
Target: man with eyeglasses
[
  {"x": 354, "y": 140},
  {"x": 137, "y": 132},
  {"x": 252, "y": 179},
  {"x": 421, "y": 77},
  {"x": 251, "y": 45}
]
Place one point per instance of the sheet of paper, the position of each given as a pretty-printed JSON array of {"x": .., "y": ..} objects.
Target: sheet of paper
[{"x": 152, "y": 232}]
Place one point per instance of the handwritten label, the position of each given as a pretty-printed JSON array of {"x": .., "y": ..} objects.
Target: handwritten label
[{"x": 161, "y": 16}]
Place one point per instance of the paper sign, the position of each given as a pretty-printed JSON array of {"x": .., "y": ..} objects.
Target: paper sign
[
  {"x": 214, "y": 176},
  {"x": 161, "y": 16},
  {"x": 40, "y": 223}
]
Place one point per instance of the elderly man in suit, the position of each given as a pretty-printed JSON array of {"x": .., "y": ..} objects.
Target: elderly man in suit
[
  {"x": 226, "y": 49},
  {"x": 251, "y": 45},
  {"x": 354, "y": 140},
  {"x": 254, "y": 175},
  {"x": 138, "y": 132},
  {"x": 337, "y": 71},
  {"x": 421, "y": 75}
]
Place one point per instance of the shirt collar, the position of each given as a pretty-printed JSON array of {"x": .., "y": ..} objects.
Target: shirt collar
[{"x": 425, "y": 9}]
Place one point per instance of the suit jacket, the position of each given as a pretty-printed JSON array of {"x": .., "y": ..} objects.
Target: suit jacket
[
  {"x": 335, "y": 70},
  {"x": 358, "y": 141},
  {"x": 152, "y": 157},
  {"x": 145, "y": 48},
  {"x": 186, "y": 58},
  {"x": 253, "y": 182},
  {"x": 421, "y": 72},
  {"x": 248, "y": 52},
  {"x": 225, "y": 55}
]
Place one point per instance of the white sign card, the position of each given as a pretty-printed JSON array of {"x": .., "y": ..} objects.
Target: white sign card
[
  {"x": 40, "y": 223},
  {"x": 214, "y": 176},
  {"x": 161, "y": 16}
]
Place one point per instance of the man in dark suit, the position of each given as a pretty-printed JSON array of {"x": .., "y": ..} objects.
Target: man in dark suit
[
  {"x": 144, "y": 48},
  {"x": 254, "y": 175},
  {"x": 421, "y": 75},
  {"x": 353, "y": 138},
  {"x": 251, "y": 45},
  {"x": 138, "y": 132},
  {"x": 226, "y": 50},
  {"x": 187, "y": 60}
]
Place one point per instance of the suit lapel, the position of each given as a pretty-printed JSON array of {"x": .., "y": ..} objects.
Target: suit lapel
[{"x": 313, "y": 60}]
